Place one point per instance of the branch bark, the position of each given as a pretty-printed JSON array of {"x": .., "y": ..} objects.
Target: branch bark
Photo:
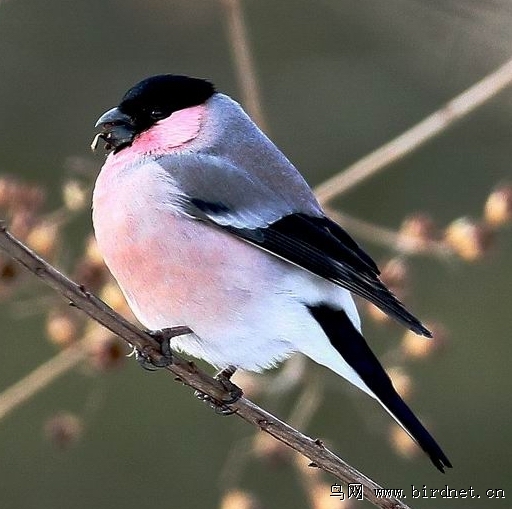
[{"x": 189, "y": 374}]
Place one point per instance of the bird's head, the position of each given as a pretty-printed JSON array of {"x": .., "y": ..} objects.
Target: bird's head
[{"x": 146, "y": 103}]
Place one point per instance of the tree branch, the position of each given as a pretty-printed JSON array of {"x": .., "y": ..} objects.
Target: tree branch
[
  {"x": 243, "y": 62},
  {"x": 416, "y": 136},
  {"x": 188, "y": 373}
]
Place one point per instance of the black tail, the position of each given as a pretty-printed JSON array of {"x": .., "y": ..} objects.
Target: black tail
[{"x": 353, "y": 348}]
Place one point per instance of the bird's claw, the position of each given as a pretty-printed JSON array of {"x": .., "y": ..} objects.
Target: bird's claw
[
  {"x": 233, "y": 392},
  {"x": 163, "y": 338}
]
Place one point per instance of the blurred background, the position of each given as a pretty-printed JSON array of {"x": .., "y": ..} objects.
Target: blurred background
[{"x": 338, "y": 78}]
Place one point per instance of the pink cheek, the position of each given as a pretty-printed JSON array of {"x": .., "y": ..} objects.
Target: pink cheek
[{"x": 173, "y": 132}]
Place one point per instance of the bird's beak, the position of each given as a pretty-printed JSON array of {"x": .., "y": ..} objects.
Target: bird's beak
[{"x": 117, "y": 130}]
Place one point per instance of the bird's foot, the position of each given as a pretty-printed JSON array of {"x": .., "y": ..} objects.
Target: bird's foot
[
  {"x": 163, "y": 338},
  {"x": 233, "y": 393}
]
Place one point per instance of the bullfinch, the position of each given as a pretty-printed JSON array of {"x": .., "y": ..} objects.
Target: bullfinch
[{"x": 204, "y": 222}]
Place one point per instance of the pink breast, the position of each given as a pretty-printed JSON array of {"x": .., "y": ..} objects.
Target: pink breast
[{"x": 173, "y": 270}]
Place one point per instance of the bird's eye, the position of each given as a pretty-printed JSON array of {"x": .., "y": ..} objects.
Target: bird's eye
[{"x": 156, "y": 114}]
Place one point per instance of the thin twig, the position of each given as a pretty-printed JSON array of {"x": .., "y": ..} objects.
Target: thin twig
[
  {"x": 307, "y": 403},
  {"x": 244, "y": 66},
  {"x": 40, "y": 378},
  {"x": 390, "y": 238},
  {"x": 189, "y": 374},
  {"x": 418, "y": 135}
]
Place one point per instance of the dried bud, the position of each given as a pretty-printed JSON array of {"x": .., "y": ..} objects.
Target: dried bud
[
  {"x": 92, "y": 253},
  {"x": 90, "y": 274},
  {"x": 402, "y": 442},
  {"x": 6, "y": 191},
  {"x": 91, "y": 271},
  {"x": 394, "y": 275},
  {"x": 8, "y": 270},
  {"x": 42, "y": 238},
  {"x": 419, "y": 347},
  {"x": 238, "y": 499},
  {"x": 31, "y": 197},
  {"x": 376, "y": 314},
  {"x": 416, "y": 232},
  {"x": 22, "y": 221},
  {"x": 74, "y": 195},
  {"x": 470, "y": 240},
  {"x": 498, "y": 208},
  {"x": 63, "y": 429},
  {"x": 402, "y": 382},
  {"x": 113, "y": 296},
  {"x": 16, "y": 195},
  {"x": 107, "y": 353},
  {"x": 62, "y": 328}
]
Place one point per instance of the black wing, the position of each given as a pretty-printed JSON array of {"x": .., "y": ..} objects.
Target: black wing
[{"x": 322, "y": 247}]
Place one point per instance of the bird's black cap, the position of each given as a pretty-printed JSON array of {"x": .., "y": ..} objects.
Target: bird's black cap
[{"x": 159, "y": 96}]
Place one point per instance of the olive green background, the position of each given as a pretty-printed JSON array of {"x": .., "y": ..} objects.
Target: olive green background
[{"x": 338, "y": 78}]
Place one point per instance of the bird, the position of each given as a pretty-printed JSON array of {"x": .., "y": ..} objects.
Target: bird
[{"x": 204, "y": 222}]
